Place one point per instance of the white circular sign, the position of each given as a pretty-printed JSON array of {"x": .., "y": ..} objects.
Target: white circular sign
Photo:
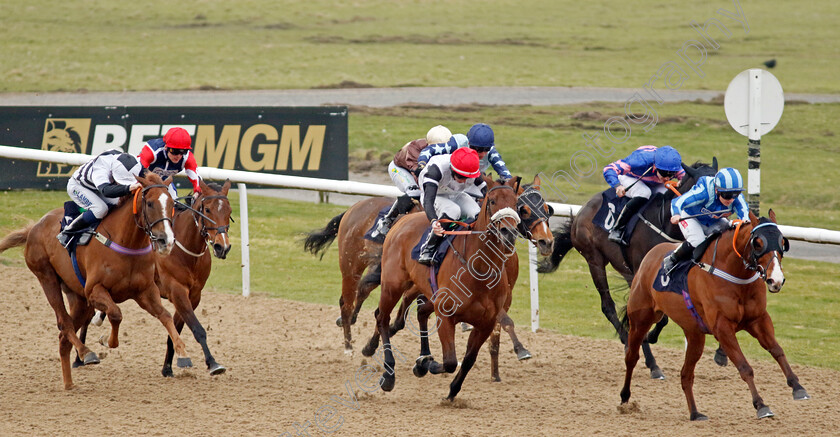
[{"x": 758, "y": 90}]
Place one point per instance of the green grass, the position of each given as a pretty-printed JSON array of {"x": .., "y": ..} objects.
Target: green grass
[
  {"x": 803, "y": 313},
  {"x": 262, "y": 44}
]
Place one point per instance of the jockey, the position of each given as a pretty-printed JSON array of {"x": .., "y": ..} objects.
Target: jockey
[
  {"x": 651, "y": 165},
  {"x": 479, "y": 138},
  {"x": 444, "y": 182},
  {"x": 400, "y": 171},
  {"x": 166, "y": 157},
  {"x": 716, "y": 198},
  {"x": 99, "y": 184}
]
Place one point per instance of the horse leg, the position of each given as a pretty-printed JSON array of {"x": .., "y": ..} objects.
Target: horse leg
[
  {"x": 507, "y": 324},
  {"x": 424, "y": 310},
  {"x": 364, "y": 290},
  {"x": 170, "y": 348},
  {"x": 720, "y": 357},
  {"x": 653, "y": 335},
  {"x": 346, "y": 302},
  {"x": 725, "y": 333},
  {"x": 99, "y": 295},
  {"x": 762, "y": 330},
  {"x": 81, "y": 312},
  {"x": 446, "y": 334},
  {"x": 494, "y": 352},
  {"x": 179, "y": 296},
  {"x": 150, "y": 301},
  {"x": 640, "y": 322},
  {"x": 693, "y": 351},
  {"x": 599, "y": 277},
  {"x": 67, "y": 335},
  {"x": 402, "y": 314},
  {"x": 388, "y": 298},
  {"x": 477, "y": 338}
]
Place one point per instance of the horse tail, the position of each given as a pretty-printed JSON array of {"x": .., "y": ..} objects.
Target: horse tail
[
  {"x": 318, "y": 241},
  {"x": 15, "y": 239},
  {"x": 562, "y": 245}
]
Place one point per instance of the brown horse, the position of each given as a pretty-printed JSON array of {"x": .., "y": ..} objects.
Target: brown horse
[
  {"x": 726, "y": 297},
  {"x": 182, "y": 274},
  {"x": 592, "y": 243},
  {"x": 120, "y": 268},
  {"x": 356, "y": 254},
  {"x": 474, "y": 287}
]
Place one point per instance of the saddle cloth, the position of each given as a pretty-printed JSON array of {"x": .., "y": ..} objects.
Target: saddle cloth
[
  {"x": 677, "y": 282},
  {"x": 611, "y": 206}
]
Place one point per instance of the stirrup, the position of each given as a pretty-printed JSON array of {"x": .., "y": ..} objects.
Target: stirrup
[
  {"x": 617, "y": 236},
  {"x": 381, "y": 229}
]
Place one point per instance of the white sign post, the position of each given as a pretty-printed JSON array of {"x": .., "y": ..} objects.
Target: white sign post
[{"x": 753, "y": 104}]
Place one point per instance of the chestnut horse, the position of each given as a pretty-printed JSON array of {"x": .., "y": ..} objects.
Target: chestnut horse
[
  {"x": 592, "y": 243},
  {"x": 476, "y": 296},
  {"x": 727, "y": 297},
  {"x": 117, "y": 267},
  {"x": 181, "y": 275}
]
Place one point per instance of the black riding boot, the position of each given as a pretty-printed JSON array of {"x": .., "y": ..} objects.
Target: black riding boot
[
  {"x": 402, "y": 205},
  {"x": 682, "y": 253},
  {"x": 427, "y": 252},
  {"x": 631, "y": 208},
  {"x": 79, "y": 223}
]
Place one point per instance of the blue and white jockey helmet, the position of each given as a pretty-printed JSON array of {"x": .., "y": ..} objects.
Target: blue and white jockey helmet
[
  {"x": 729, "y": 179},
  {"x": 457, "y": 141},
  {"x": 481, "y": 137},
  {"x": 667, "y": 158}
]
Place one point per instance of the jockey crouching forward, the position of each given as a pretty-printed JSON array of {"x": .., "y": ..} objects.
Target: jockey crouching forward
[
  {"x": 402, "y": 171},
  {"x": 444, "y": 184},
  {"x": 648, "y": 164},
  {"x": 171, "y": 155},
  {"x": 98, "y": 185},
  {"x": 711, "y": 200}
]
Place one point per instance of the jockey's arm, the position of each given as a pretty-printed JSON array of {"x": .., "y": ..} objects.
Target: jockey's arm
[
  {"x": 190, "y": 168},
  {"x": 431, "y": 180},
  {"x": 498, "y": 164},
  {"x": 433, "y": 150},
  {"x": 146, "y": 156},
  {"x": 114, "y": 189}
]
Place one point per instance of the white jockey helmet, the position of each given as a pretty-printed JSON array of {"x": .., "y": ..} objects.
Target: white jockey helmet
[{"x": 438, "y": 134}]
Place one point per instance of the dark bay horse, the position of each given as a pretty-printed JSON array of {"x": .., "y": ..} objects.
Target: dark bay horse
[
  {"x": 727, "y": 297},
  {"x": 357, "y": 254},
  {"x": 473, "y": 283},
  {"x": 594, "y": 245},
  {"x": 182, "y": 274},
  {"x": 125, "y": 269}
]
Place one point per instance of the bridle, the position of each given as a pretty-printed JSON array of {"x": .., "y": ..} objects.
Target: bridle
[
  {"x": 778, "y": 246},
  {"x": 147, "y": 227},
  {"x": 534, "y": 200},
  {"x": 204, "y": 219}
]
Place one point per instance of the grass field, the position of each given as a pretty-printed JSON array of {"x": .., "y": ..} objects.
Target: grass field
[
  {"x": 804, "y": 312},
  {"x": 262, "y": 44}
]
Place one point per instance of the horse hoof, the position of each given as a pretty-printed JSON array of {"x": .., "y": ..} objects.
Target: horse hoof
[
  {"x": 348, "y": 352},
  {"x": 387, "y": 382},
  {"x": 657, "y": 373},
  {"x": 421, "y": 366},
  {"x": 801, "y": 395},
  {"x": 78, "y": 363},
  {"x": 338, "y": 322},
  {"x": 720, "y": 359},
  {"x": 216, "y": 369},
  {"x": 91, "y": 358},
  {"x": 698, "y": 417},
  {"x": 184, "y": 363},
  {"x": 523, "y": 355},
  {"x": 764, "y": 412},
  {"x": 496, "y": 378}
]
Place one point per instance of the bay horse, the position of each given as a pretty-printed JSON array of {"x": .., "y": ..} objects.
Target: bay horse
[
  {"x": 118, "y": 266},
  {"x": 726, "y": 297},
  {"x": 594, "y": 245},
  {"x": 182, "y": 274},
  {"x": 357, "y": 254},
  {"x": 475, "y": 296}
]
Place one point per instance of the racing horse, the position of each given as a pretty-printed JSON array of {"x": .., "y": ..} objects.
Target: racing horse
[
  {"x": 593, "y": 243},
  {"x": 119, "y": 266},
  {"x": 723, "y": 296},
  {"x": 182, "y": 274},
  {"x": 476, "y": 296}
]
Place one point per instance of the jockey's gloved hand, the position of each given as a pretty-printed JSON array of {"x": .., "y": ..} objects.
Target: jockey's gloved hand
[
  {"x": 503, "y": 179},
  {"x": 134, "y": 186},
  {"x": 416, "y": 171}
]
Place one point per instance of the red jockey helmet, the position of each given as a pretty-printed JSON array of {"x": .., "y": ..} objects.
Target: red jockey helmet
[
  {"x": 177, "y": 138},
  {"x": 464, "y": 161}
]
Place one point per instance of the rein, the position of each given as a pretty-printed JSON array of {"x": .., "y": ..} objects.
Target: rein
[
  {"x": 203, "y": 231},
  {"x": 141, "y": 195}
]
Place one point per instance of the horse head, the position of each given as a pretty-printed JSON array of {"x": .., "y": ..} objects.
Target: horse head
[
  {"x": 214, "y": 215},
  {"x": 535, "y": 213},
  {"x": 153, "y": 209},
  {"x": 498, "y": 213},
  {"x": 765, "y": 249}
]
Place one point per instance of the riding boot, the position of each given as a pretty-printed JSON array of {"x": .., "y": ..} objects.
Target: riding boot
[
  {"x": 402, "y": 205},
  {"x": 682, "y": 253},
  {"x": 630, "y": 209},
  {"x": 427, "y": 252},
  {"x": 78, "y": 224}
]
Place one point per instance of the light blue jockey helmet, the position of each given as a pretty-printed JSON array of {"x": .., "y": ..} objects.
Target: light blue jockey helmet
[
  {"x": 457, "y": 141},
  {"x": 729, "y": 179},
  {"x": 667, "y": 158}
]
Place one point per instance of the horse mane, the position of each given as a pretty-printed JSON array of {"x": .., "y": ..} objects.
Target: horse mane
[{"x": 214, "y": 186}]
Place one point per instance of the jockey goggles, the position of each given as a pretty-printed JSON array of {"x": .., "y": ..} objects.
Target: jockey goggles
[
  {"x": 728, "y": 195},
  {"x": 665, "y": 174},
  {"x": 480, "y": 149},
  {"x": 175, "y": 151}
]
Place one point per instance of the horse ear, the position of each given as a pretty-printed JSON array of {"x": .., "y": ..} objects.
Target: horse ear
[
  {"x": 169, "y": 180},
  {"x": 753, "y": 218},
  {"x": 226, "y": 187},
  {"x": 772, "y": 215},
  {"x": 202, "y": 184},
  {"x": 689, "y": 170},
  {"x": 537, "y": 182},
  {"x": 714, "y": 163}
]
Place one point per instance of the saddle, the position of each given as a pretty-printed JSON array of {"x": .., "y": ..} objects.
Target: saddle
[
  {"x": 81, "y": 238},
  {"x": 677, "y": 281},
  {"x": 611, "y": 207},
  {"x": 442, "y": 248}
]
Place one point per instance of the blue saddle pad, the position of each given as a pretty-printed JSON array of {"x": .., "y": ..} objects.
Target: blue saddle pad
[
  {"x": 677, "y": 281},
  {"x": 611, "y": 206},
  {"x": 379, "y": 238},
  {"x": 442, "y": 248}
]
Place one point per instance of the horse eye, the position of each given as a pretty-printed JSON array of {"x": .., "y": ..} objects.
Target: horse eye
[{"x": 149, "y": 204}]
